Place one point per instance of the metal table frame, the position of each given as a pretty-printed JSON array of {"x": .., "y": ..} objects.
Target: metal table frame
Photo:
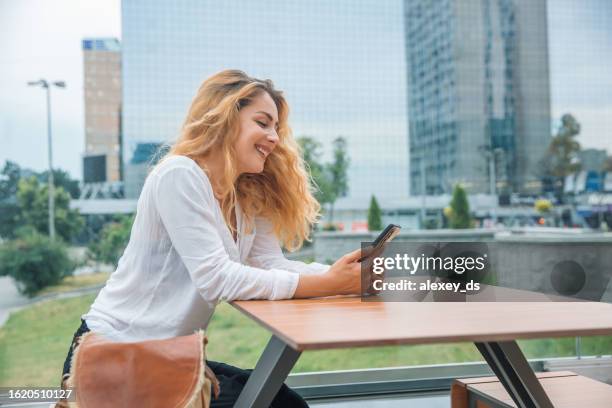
[{"x": 504, "y": 357}]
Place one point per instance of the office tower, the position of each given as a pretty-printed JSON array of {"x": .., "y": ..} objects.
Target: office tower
[
  {"x": 341, "y": 65},
  {"x": 478, "y": 94},
  {"x": 592, "y": 159},
  {"x": 102, "y": 91}
]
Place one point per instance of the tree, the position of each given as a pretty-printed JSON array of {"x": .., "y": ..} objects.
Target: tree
[
  {"x": 9, "y": 212},
  {"x": 32, "y": 199},
  {"x": 330, "y": 178},
  {"x": 607, "y": 166},
  {"x": 459, "y": 213},
  {"x": 113, "y": 240},
  {"x": 561, "y": 158},
  {"x": 34, "y": 261},
  {"x": 61, "y": 178},
  {"x": 374, "y": 216},
  {"x": 312, "y": 156},
  {"x": 564, "y": 148},
  {"x": 9, "y": 179},
  {"x": 338, "y": 173},
  {"x": 10, "y": 175}
]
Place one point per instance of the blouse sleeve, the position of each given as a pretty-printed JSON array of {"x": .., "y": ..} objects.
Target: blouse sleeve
[
  {"x": 266, "y": 252},
  {"x": 184, "y": 201}
]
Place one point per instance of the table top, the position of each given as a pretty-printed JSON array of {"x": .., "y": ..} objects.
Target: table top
[{"x": 336, "y": 322}]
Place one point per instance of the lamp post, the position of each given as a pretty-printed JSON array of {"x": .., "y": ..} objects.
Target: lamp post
[
  {"x": 423, "y": 190},
  {"x": 51, "y": 190},
  {"x": 420, "y": 157},
  {"x": 490, "y": 154}
]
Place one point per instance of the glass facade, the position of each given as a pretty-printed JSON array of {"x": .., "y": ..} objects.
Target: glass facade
[
  {"x": 450, "y": 90},
  {"x": 102, "y": 95},
  {"x": 340, "y": 64},
  {"x": 478, "y": 94}
]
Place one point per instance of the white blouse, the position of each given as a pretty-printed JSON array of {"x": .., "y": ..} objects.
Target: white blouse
[{"x": 181, "y": 260}]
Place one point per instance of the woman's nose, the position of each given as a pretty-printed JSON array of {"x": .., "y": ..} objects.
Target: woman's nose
[{"x": 273, "y": 137}]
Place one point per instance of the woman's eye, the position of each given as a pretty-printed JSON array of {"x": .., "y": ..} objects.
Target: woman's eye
[{"x": 263, "y": 125}]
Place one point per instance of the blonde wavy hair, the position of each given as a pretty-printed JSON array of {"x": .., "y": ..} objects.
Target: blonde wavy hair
[{"x": 283, "y": 192}]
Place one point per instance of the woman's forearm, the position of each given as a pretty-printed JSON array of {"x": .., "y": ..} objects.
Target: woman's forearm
[{"x": 315, "y": 286}]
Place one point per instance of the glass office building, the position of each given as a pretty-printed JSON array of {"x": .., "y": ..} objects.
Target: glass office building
[
  {"x": 102, "y": 92},
  {"x": 341, "y": 65},
  {"x": 478, "y": 94}
]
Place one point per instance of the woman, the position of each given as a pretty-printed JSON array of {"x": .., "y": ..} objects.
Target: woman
[{"x": 209, "y": 224}]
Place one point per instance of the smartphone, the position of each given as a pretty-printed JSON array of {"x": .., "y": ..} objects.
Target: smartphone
[{"x": 390, "y": 232}]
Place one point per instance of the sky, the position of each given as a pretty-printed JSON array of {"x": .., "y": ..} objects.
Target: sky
[{"x": 42, "y": 39}]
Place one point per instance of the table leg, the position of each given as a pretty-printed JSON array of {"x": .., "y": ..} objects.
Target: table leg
[
  {"x": 511, "y": 367},
  {"x": 270, "y": 372}
]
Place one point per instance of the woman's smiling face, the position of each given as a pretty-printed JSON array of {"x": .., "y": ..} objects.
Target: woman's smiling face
[{"x": 258, "y": 133}]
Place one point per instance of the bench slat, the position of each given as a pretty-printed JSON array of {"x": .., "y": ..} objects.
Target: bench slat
[{"x": 565, "y": 390}]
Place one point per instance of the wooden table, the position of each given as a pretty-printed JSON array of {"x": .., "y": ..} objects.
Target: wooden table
[{"x": 337, "y": 322}]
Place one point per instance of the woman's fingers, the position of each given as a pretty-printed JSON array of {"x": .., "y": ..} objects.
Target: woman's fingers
[
  {"x": 371, "y": 251},
  {"x": 353, "y": 256}
]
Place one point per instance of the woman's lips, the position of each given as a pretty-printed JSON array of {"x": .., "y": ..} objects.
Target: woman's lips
[{"x": 262, "y": 151}]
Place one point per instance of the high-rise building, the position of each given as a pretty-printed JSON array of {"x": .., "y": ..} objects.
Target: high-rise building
[
  {"x": 592, "y": 159},
  {"x": 102, "y": 90},
  {"x": 478, "y": 94},
  {"x": 340, "y": 64}
]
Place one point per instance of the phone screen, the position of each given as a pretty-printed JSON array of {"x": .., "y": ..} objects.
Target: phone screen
[{"x": 390, "y": 232}]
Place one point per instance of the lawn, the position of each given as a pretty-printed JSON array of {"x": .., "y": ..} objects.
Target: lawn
[
  {"x": 34, "y": 342},
  {"x": 70, "y": 283}
]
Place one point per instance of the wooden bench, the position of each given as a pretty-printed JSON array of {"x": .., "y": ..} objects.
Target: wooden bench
[{"x": 564, "y": 388}]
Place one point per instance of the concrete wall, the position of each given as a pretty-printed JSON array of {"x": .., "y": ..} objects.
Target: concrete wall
[
  {"x": 329, "y": 246},
  {"x": 572, "y": 263}
]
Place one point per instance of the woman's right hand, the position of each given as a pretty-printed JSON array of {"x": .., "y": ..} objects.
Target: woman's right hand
[
  {"x": 342, "y": 278},
  {"x": 345, "y": 274}
]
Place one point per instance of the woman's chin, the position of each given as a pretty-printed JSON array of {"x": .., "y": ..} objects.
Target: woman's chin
[{"x": 255, "y": 169}]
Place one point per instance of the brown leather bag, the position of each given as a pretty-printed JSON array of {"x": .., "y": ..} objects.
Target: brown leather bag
[{"x": 153, "y": 373}]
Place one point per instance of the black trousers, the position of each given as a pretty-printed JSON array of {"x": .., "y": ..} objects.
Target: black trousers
[{"x": 231, "y": 380}]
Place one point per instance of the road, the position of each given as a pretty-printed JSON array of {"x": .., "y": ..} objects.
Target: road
[{"x": 10, "y": 298}]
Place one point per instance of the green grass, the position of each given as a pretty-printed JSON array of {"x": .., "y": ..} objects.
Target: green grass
[
  {"x": 76, "y": 282},
  {"x": 34, "y": 343}
]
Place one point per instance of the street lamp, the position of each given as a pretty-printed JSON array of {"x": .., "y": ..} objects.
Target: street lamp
[
  {"x": 421, "y": 159},
  {"x": 47, "y": 86},
  {"x": 423, "y": 190},
  {"x": 490, "y": 154}
]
